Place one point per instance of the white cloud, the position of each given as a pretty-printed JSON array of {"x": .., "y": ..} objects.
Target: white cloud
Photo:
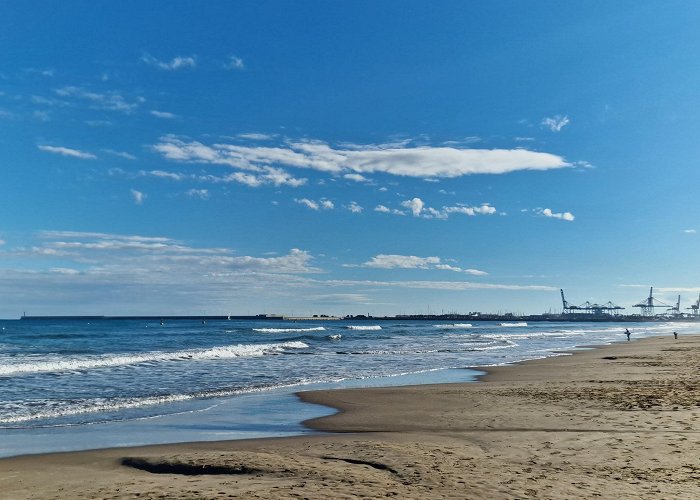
[
  {"x": 356, "y": 177},
  {"x": 202, "y": 194},
  {"x": 441, "y": 285},
  {"x": 256, "y": 136},
  {"x": 307, "y": 203},
  {"x": 393, "y": 261},
  {"x": 323, "y": 204},
  {"x": 383, "y": 261},
  {"x": 354, "y": 207},
  {"x": 2, "y": 242},
  {"x": 64, "y": 270},
  {"x": 484, "y": 209},
  {"x": 466, "y": 140},
  {"x": 271, "y": 176},
  {"x": 421, "y": 162},
  {"x": 448, "y": 267},
  {"x": 176, "y": 63},
  {"x": 567, "y": 216},
  {"x": 175, "y": 176},
  {"x": 419, "y": 209},
  {"x": 75, "y": 153},
  {"x": 120, "y": 154},
  {"x": 247, "y": 179},
  {"x": 274, "y": 176},
  {"x": 415, "y": 205},
  {"x": 157, "y": 258},
  {"x": 234, "y": 62},
  {"x": 556, "y": 123},
  {"x": 110, "y": 101},
  {"x": 279, "y": 177},
  {"x": 386, "y": 210},
  {"x": 475, "y": 272},
  {"x": 690, "y": 231},
  {"x": 163, "y": 114},
  {"x": 138, "y": 196}
]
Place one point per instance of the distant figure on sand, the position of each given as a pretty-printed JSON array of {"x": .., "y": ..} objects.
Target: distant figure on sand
[
  {"x": 675, "y": 335},
  {"x": 627, "y": 332}
]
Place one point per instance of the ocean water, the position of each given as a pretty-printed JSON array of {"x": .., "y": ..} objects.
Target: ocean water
[{"x": 79, "y": 384}]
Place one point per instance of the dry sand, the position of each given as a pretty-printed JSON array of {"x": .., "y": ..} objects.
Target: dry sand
[{"x": 621, "y": 421}]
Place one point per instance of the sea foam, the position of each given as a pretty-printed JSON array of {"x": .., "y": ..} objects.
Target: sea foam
[
  {"x": 363, "y": 327},
  {"x": 289, "y": 330},
  {"x": 80, "y": 363}
]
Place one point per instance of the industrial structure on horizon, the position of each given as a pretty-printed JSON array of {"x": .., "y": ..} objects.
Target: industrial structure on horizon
[{"x": 648, "y": 308}]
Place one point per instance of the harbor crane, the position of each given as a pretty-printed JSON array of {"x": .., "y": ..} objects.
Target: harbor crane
[
  {"x": 676, "y": 310},
  {"x": 647, "y": 305},
  {"x": 695, "y": 308},
  {"x": 589, "y": 307}
]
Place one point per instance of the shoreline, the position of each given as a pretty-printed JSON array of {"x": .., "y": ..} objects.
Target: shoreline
[{"x": 622, "y": 416}]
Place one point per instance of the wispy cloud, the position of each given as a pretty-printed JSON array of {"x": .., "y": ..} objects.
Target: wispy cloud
[
  {"x": 109, "y": 101},
  {"x": 202, "y": 194},
  {"x": 418, "y": 208},
  {"x": 356, "y": 177},
  {"x": 420, "y": 161},
  {"x": 163, "y": 114},
  {"x": 255, "y": 136},
  {"x": 393, "y": 261},
  {"x": 60, "y": 150},
  {"x": 354, "y": 207},
  {"x": 234, "y": 62},
  {"x": 386, "y": 210},
  {"x": 42, "y": 116},
  {"x": 690, "y": 231},
  {"x": 162, "y": 174},
  {"x": 138, "y": 196},
  {"x": 384, "y": 261},
  {"x": 441, "y": 285},
  {"x": 155, "y": 258},
  {"x": 120, "y": 154},
  {"x": 546, "y": 212},
  {"x": 271, "y": 176},
  {"x": 322, "y": 204},
  {"x": 176, "y": 63},
  {"x": 556, "y": 123}
]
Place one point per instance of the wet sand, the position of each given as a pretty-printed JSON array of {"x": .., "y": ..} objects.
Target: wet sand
[{"x": 621, "y": 421}]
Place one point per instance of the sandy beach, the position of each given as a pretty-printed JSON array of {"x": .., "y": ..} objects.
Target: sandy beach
[{"x": 617, "y": 421}]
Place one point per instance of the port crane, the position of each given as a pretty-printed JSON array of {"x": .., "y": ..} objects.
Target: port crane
[
  {"x": 675, "y": 310},
  {"x": 589, "y": 307},
  {"x": 695, "y": 308},
  {"x": 647, "y": 305}
]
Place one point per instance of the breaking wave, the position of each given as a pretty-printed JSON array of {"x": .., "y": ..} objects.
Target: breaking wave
[
  {"x": 363, "y": 327},
  {"x": 289, "y": 330},
  {"x": 80, "y": 363}
]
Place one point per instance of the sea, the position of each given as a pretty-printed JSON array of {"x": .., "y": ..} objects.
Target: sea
[{"x": 80, "y": 384}]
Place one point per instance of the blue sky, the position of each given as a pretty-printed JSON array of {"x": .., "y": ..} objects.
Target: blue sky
[{"x": 343, "y": 158}]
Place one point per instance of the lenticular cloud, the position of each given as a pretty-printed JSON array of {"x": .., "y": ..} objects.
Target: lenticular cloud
[{"x": 421, "y": 162}]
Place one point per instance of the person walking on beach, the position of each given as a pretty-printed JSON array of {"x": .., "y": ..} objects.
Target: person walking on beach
[
  {"x": 675, "y": 335},
  {"x": 628, "y": 333}
]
